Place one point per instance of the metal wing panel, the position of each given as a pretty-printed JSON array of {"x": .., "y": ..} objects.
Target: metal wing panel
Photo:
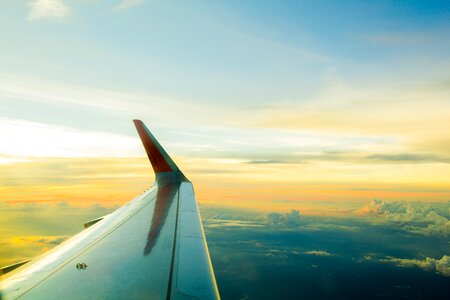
[
  {"x": 20, "y": 281},
  {"x": 120, "y": 263},
  {"x": 193, "y": 274}
]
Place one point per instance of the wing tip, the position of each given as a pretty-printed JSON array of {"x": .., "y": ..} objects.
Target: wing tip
[{"x": 160, "y": 160}]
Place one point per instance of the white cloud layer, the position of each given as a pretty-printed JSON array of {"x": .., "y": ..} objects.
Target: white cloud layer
[
  {"x": 40, "y": 9},
  {"x": 420, "y": 218}
]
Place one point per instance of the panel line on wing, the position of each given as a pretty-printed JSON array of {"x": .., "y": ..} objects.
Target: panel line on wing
[{"x": 169, "y": 288}]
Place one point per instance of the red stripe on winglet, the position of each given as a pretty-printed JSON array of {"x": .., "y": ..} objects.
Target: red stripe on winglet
[{"x": 157, "y": 160}]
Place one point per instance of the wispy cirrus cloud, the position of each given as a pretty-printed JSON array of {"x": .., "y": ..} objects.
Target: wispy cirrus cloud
[
  {"x": 47, "y": 9},
  {"x": 62, "y": 93},
  {"x": 107, "y": 102}
]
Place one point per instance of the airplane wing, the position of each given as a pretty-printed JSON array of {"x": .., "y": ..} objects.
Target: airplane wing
[{"x": 153, "y": 247}]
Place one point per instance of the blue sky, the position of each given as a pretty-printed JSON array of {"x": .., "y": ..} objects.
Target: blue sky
[
  {"x": 244, "y": 54},
  {"x": 349, "y": 92}
]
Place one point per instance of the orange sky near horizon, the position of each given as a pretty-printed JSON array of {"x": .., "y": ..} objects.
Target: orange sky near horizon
[{"x": 280, "y": 187}]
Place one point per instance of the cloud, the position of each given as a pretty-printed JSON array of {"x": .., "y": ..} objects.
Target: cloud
[
  {"x": 42, "y": 240},
  {"x": 211, "y": 223},
  {"x": 271, "y": 161},
  {"x": 126, "y": 4},
  {"x": 345, "y": 106},
  {"x": 407, "y": 157},
  {"x": 67, "y": 94},
  {"x": 52, "y": 9},
  {"x": 440, "y": 266},
  {"x": 291, "y": 219},
  {"x": 420, "y": 218},
  {"x": 377, "y": 206},
  {"x": 63, "y": 96},
  {"x": 32, "y": 139},
  {"x": 318, "y": 253},
  {"x": 331, "y": 227},
  {"x": 346, "y": 155}
]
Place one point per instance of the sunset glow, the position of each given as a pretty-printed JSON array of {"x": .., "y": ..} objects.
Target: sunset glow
[{"x": 275, "y": 110}]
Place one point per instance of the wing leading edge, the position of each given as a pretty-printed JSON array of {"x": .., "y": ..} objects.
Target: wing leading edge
[{"x": 153, "y": 247}]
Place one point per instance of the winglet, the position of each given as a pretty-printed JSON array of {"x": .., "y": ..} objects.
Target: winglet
[{"x": 161, "y": 161}]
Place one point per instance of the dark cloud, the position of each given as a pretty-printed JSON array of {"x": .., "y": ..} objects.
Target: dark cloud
[
  {"x": 408, "y": 157},
  {"x": 296, "y": 158},
  {"x": 289, "y": 220},
  {"x": 345, "y": 156},
  {"x": 272, "y": 161}
]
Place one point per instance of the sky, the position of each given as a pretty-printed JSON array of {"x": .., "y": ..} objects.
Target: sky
[
  {"x": 333, "y": 109},
  {"x": 296, "y": 101}
]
